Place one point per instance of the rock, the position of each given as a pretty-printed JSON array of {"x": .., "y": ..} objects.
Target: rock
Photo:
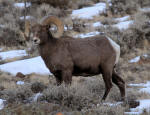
[
  {"x": 20, "y": 75},
  {"x": 133, "y": 103},
  {"x": 2, "y": 88},
  {"x": 37, "y": 87}
]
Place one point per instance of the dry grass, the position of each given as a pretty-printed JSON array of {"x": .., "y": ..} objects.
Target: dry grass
[
  {"x": 82, "y": 97},
  {"x": 7, "y": 81},
  {"x": 39, "y": 78}
]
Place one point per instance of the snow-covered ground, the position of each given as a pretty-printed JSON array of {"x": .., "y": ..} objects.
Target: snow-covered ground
[
  {"x": 146, "y": 87},
  {"x": 89, "y": 12},
  {"x": 27, "y": 66},
  {"x": 12, "y": 54},
  {"x": 145, "y": 103}
]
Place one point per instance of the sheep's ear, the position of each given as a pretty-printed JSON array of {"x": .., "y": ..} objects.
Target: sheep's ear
[
  {"x": 22, "y": 34},
  {"x": 27, "y": 28},
  {"x": 26, "y": 33}
]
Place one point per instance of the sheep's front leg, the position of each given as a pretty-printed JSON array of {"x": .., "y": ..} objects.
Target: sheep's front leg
[
  {"x": 58, "y": 78},
  {"x": 67, "y": 76}
]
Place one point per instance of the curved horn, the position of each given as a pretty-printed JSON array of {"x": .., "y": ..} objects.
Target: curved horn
[{"x": 48, "y": 20}]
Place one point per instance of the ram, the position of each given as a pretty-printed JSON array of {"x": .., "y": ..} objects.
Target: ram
[{"x": 66, "y": 56}]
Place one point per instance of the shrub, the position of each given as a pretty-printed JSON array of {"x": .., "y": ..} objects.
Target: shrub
[
  {"x": 10, "y": 23},
  {"x": 37, "y": 87},
  {"x": 122, "y": 7},
  {"x": 76, "y": 97},
  {"x": 18, "y": 95},
  {"x": 109, "y": 21},
  {"x": 144, "y": 3},
  {"x": 44, "y": 9},
  {"x": 66, "y": 4},
  {"x": 133, "y": 36},
  {"x": 139, "y": 31},
  {"x": 55, "y": 3},
  {"x": 79, "y": 25}
]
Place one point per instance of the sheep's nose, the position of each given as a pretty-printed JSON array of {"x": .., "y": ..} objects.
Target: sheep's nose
[{"x": 35, "y": 40}]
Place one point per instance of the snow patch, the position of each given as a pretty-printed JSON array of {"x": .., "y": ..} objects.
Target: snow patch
[
  {"x": 12, "y": 54},
  {"x": 22, "y": 5},
  {"x": 2, "y": 26},
  {"x": 20, "y": 83},
  {"x": 145, "y": 9},
  {"x": 2, "y": 104},
  {"x": 1, "y": 49},
  {"x": 89, "y": 12},
  {"x": 124, "y": 25},
  {"x": 27, "y": 17},
  {"x": 36, "y": 96},
  {"x": 144, "y": 105},
  {"x": 90, "y": 34},
  {"x": 97, "y": 24},
  {"x": 134, "y": 60},
  {"x": 27, "y": 66},
  {"x": 146, "y": 87},
  {"x": 122, "y": 19},
  {"x": 146, "y": 90},
  {"x": 137, "y": 85},
  {"x": 113, "y": 104}
]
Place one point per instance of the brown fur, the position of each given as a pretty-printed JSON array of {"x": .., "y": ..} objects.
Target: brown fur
[{"x": 68, "y": 56}]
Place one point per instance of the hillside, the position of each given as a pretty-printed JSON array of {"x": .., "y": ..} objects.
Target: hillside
[{"x": 27, "y": 87}]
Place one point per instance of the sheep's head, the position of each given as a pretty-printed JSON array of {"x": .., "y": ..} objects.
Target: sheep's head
[
  {"x": 50, "y": 27},
  {"x": 39, "y": 34}
]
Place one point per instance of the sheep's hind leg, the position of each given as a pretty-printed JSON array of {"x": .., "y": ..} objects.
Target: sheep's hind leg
[
  {"x": 120, "y": 83},
  {"x": 108, "y": 83}
]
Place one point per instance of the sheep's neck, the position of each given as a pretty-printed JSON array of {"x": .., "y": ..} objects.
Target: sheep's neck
[{"x": 48, "y": 47}]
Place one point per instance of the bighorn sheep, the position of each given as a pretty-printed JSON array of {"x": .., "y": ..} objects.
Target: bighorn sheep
[{"x": 66, "y": 56}]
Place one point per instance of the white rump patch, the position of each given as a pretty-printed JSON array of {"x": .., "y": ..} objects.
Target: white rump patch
[{"x": 116, "y": 48}]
